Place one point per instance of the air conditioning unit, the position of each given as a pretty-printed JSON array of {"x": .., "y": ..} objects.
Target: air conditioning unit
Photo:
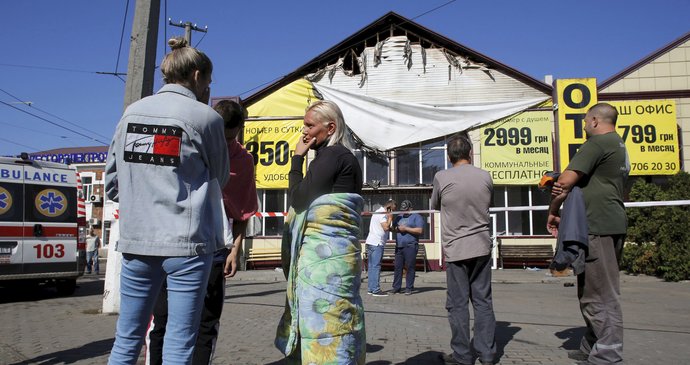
[
  {"x": 95, "y": 198},
  {"x": 94, "y": 222}
]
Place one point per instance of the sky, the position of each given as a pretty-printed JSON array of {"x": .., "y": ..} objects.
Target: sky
[{"x": 53, "y": 93}]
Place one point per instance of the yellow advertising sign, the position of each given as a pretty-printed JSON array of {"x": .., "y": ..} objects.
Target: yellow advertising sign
[
  {"x": 573, "y": 97},
  {"x": 650, "y": 133},
  {"x": 272, "y": 143},
  {"x": 518, "y": 150}
]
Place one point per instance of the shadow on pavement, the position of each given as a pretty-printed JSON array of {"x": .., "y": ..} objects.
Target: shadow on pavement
[
  {"x": 504, "y": 334},
  {"x": 427, "y": 289},
  {"x": 373, "y": 348},
  {"x": 259, "y": 294},
  {"x": 572, "y": 337},
  {"x": 71, "y": 356},
  {"x": 29, "y": 291},
  {"x": 425, "y": 358}
]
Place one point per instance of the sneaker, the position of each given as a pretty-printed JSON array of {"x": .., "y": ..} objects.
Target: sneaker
[
  {"x": 408, "y": 291},
  {"x": 448, "y": 359},
  {"x": 379, "y": 293},
  {"x": 368, "y": 292},
  {"x": 395, "y": 291}
]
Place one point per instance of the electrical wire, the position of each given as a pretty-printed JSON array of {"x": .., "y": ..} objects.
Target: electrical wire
[
  {"x": 32, "y": 130},
  {"x": 432, "y": 10},
  {"x": 55, "y": 116},
  {"x": 55, "y": 124},
  {"x": 19, "y": 144},
  {"x": 202, "y": 38},
  {"x": 47, "y": 68},
  {"x": 335, "y": 51},
  {"x": 122, "y": 36}
]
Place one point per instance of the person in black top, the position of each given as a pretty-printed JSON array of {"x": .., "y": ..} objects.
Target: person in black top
[
  {"x": 323, "y": 322},
  {"x": 335, "y": 169}
]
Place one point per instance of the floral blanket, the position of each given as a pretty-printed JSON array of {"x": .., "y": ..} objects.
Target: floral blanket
[{"x": 323, "y": 322}]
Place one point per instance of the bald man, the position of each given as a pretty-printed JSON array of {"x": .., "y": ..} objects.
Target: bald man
[{"x": 600, "y": 168}]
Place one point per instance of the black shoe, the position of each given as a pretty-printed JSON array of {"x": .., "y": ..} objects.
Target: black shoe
[
  {"x": 379, "y": 293},
  {"x": 448, "y": 359},
  {"x": 395, "y": 291},
  {"x": 408, "y": 291}
]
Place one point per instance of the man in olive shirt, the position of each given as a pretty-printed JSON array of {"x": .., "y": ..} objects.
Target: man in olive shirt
[
  {"x": 463, "y": 194},
  {"x": 600, "y": 168}
]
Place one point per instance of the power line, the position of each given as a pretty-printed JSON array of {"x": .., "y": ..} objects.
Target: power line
[
  {"x": 32, "y": 130},
  {"x": 53, "y": 123},
  {"x": 122, "y": 35},
  {"x": 47, "y": 68},
  {"x": 434, "y": 9},
  {"x": 19, "y": 144},
  {"x": 54, "y": 116},
  {"x": 333, "y": 52}
]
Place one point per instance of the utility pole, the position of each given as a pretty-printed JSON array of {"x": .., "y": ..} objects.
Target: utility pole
[
  {"x": 188, "y": 28},
  {"x": 140, "y": 70},
  {"x": 142, "y": 51}
]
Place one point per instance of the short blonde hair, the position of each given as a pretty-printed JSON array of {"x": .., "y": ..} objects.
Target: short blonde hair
[
  {"x": 179, "y": 65},
  {"x": 327, "y": 111}
]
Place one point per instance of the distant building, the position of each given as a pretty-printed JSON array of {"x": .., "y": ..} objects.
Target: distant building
[{"x": 90, "y": 164}]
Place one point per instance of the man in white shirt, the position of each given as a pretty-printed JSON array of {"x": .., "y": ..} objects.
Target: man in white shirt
[{"x": 378, "y": 235}]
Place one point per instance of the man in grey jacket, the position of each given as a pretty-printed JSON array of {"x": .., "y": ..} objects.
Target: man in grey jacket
[{"x": 463, "y": 194}]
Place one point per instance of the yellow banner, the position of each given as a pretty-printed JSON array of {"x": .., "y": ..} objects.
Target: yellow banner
[
  {"x": 267, "y": 140},
  {"x": 518, "y": 150},
  {"x": 649, "y": 130},
  {"x": 272, "y": 143},
  {"x": 573, "y": 97}
]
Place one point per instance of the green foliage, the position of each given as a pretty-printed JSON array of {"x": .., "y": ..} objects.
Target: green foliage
[
  {"x": 641, "y": 258},
  {"x": 660, "y": 235}
]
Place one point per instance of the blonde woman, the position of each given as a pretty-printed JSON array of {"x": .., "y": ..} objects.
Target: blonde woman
[
  {"x": 324, "y": 319},
  {"x": 166, "y": 165}
]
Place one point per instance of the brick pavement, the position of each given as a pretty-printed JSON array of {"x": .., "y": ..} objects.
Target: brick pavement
[{"x": 537, "y": 316}]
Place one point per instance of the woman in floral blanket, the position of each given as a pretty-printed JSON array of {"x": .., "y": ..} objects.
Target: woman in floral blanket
[{"x": 323, "y": 321}]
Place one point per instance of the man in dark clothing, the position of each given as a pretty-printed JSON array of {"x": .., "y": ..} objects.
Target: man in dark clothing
[
  {"x": 409, "y": 227},
  {"x": 600, "y": 168}
]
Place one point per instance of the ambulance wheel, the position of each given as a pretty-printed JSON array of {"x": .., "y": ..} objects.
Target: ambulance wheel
[{"x": 66, "y": 287}]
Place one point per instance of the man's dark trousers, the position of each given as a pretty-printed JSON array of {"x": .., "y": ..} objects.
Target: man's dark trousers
[
  {"x": 471, "y": 279},
  {"x": 208, "y": 327},
  {"x": 598, "y": 290},
  {"x": 404, "y": 256}
]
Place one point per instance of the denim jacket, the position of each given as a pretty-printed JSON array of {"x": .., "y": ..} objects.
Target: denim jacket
[{"x": 166, "y": 166}]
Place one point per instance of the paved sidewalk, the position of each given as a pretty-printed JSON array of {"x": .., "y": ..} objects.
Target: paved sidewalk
[{"x": 538, "y": 321}]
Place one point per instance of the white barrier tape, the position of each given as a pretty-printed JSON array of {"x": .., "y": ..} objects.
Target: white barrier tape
[{"x": 508, "y": 209}]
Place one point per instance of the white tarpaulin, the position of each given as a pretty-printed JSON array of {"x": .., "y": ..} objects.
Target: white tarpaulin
[{"x": 385, "y": 124}]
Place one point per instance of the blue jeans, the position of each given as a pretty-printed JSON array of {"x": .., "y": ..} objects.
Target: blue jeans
[
  {"x": 92, "y": 261},
  {"x": 140, "y": 282},
  {"x": 374, "y": 255}
]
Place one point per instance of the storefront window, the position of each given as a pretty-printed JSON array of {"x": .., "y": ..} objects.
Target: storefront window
[
  {"x": 418, "y": 163},
  {"x": 272, "y": 201},
  {"x": 376, "y": 169},
  {"x": 433, "y": 160},
  {"x": 407, "y": 166},
  {"x": 520, "y": 223}
]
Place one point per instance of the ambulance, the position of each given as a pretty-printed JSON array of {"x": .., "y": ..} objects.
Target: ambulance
[{"x": 41, "y": 239}]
